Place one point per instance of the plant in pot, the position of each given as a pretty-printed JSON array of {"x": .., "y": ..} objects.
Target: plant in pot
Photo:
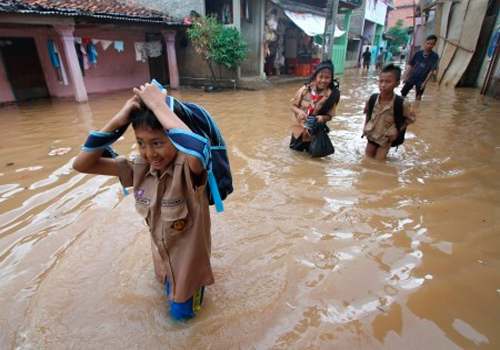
[{"x": 218, "y": 45}]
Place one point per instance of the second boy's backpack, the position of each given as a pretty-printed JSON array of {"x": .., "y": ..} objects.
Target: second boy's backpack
[
  {"x": 398, "y": 116},
  {"x": 220, "y": 181}
]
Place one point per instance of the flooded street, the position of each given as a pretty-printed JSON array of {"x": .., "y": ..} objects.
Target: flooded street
[{"x": 335, "y": 253}]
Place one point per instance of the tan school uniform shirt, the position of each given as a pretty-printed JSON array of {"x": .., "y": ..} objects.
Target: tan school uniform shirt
[
  {"x": 302, "y": 100},
  {"x": 177, "y": 213},
  {"x": 381, "y": 126}
]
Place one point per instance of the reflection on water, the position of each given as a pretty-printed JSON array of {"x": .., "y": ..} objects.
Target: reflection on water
[{"x": 341, "y": 252}]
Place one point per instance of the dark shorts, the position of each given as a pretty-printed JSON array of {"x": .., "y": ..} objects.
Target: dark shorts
[
  {"x": 408, "y": 86},
  {"x": 373, "y": 143},
  {"x": 366, "y": 64},
  {"x": 299, "y": 145}
]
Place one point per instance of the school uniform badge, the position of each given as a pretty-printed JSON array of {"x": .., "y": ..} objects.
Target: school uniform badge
[{"x": 178, "y": 225}]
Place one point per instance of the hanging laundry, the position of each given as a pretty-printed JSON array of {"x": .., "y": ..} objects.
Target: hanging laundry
[
  {"x": 95, "y": 41},
  {"x": 78, "y": 48},
  {"x": 119, "y": 46},
  {"x": 53, "y": 53},
  {"x": 153, "y": 48},
  {"x": 92, "y": 53},
  {"x": 85, "y": 56},
  {"x": 105, "y": 44},
  {"x": 140, "y": 51}
]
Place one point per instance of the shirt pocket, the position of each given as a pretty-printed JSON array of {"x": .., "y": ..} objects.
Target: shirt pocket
[
  {"x": 175, "y": 220},
  {"x": 143, "y": 211}
]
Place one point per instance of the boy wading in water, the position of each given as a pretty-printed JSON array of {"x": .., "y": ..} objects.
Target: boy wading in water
[
  {"x": 169, "y": 190},
  {"x": 380, "y": 129}
]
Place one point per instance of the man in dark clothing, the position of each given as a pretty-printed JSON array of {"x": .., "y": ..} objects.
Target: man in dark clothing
[
  {"x": 367, "y": 57},
  {"x": 422, "y": 66}
]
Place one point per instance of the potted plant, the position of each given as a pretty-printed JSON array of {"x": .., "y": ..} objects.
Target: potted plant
[{"x": 218, "y": 45}]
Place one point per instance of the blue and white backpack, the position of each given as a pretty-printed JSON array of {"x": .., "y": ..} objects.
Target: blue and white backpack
[{"x": 206, "y": 144}]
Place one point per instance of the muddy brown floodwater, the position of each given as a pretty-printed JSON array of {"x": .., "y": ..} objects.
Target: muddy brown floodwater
[{"x": 335, "y": 253}]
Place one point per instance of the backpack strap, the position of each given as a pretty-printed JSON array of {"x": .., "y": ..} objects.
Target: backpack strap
[
  {"x": 398, "y": 111},
  {"x": 198, "y": 146},
  {"x": 371, "y": 104},
  {"x": 330, "y": 101}
]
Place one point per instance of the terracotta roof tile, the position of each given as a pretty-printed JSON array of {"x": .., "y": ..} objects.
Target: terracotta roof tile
[{"x": 92, "y": 8}]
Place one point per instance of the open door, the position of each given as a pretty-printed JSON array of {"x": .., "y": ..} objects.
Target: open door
[
  {"x": 23, "y": 68},
  {"x": 158, "y": 66}
]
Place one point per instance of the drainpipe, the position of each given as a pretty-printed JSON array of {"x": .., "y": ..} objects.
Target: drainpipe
[{"x": 68, "y": 41}]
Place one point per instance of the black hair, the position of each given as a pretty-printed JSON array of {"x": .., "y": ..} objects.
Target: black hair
[
  {"x": 392, "y": 68},
  {"x": 432, "y": 37},
  {"x": 143, "y": 117},
  {"x": 323, "y": 65}
]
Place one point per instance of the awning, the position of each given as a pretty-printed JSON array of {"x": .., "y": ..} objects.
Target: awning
[{"x": 311, "y": 24}]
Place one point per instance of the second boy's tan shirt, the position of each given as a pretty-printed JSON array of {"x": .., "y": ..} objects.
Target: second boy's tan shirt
[{"x": 381, "y": 125}]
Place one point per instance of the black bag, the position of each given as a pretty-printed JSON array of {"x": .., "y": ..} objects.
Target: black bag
[
  {"x": 321, "y": 145},
  {"x": 398, "y": 117}
]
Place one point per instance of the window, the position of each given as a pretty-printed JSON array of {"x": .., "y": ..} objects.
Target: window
[
  {"x": 221, "y": 9},
  {"x": 245, "y": 10}
]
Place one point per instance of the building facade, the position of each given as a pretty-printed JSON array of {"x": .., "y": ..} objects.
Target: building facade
[{"x": 83, "y": 48}]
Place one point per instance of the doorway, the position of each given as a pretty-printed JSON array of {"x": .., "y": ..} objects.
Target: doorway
[
  {"x": 23, "y": 67},
  {"x": 158, "y": 66}
]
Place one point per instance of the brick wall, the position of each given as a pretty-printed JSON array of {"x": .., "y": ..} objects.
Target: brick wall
[{"x": 404, "y": 13}]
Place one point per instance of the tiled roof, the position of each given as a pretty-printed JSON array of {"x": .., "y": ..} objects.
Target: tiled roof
[{"x": 109, "y": 9}]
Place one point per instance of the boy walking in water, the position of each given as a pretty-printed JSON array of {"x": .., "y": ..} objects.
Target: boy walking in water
[
  {"x": 367, "y": 57},
  {"x": 422, "y": 66},
  {"x": 169, "y": 191},
  {"x": 380, "y": 128}
]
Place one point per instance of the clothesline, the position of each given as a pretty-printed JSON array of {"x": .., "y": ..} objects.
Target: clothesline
[{"x": 87, "y": 52}]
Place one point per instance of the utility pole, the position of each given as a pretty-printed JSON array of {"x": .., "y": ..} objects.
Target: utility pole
[{"x": 332, "y": 8}]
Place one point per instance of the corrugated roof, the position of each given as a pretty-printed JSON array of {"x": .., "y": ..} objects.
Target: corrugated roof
[{"x": 107, "y": 9}]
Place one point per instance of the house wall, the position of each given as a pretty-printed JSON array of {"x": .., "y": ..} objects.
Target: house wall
[
  {"x": 357, "y": 20},
  {"x": 375, "y": 11},
  {"x": 6, "y": 94},
  {"x": 40, "y": 35},
  {"x": 487, "y": 58},
  {"x": 252, "y": 32},
  {"x": 115, "y": 70},
  {"x": 192, "y": 69},
  {"x": 404, "y": 11}
]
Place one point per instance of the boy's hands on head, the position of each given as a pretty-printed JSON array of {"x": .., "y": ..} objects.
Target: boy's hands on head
[
  {"x": 151, "y": 95},
  {"x": 123, "y": 116}
]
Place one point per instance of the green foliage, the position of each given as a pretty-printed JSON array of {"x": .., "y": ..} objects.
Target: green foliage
[
  {"x": 218, "y": 44},
  {"x": 400, "y": 35}
]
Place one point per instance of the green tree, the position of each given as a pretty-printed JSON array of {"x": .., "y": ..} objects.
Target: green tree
[
  {"x": 400, "y": 35},
  {"x": 217, "y": 44}
]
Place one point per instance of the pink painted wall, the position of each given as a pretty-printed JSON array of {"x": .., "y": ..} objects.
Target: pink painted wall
[
  {"x": 6, "y": 94},
  {"x": 114, "y": 70},
  {"x": 40, "y": 35}
]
